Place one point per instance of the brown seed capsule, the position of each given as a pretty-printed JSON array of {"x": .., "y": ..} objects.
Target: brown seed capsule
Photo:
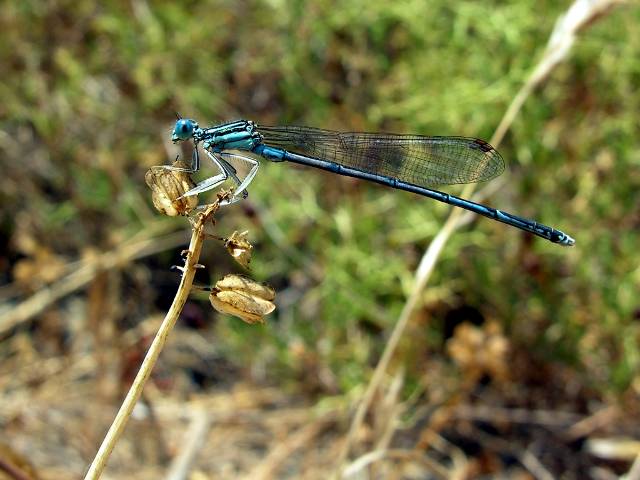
[
  {"x": 239, "y": 248},
  {"x": 167, "y": 188},
  {"x": 242, "y": 297},
  {"x": 244, "y": 284}
]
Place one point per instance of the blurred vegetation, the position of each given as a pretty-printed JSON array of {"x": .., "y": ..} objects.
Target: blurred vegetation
[{"x": 87, "y": 101}]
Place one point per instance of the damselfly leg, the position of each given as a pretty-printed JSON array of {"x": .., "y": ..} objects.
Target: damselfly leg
[{"x": 224, "y": 161}]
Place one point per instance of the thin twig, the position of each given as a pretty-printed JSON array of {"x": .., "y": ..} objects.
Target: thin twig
[
  {"x": 534, "y": 465},
  {"x": 117, "y": 427},
  {"x": 614, "y": 449},
  {"x": 389, "y": 412},
  {"x": 586, "y": 426},
  {"x": 407, "y": 455},
  {"x": 387, "y": 415},
  {"x": 580, "y": 14}
]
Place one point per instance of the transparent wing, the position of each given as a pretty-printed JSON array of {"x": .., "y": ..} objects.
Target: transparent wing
[{"x": 420, "y": 160}]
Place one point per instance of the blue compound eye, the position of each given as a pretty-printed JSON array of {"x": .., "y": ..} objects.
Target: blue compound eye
[{"x": 183, "y": 130}]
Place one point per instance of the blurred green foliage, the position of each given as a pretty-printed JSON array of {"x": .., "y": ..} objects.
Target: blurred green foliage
[{"x": 87, "y": 99}]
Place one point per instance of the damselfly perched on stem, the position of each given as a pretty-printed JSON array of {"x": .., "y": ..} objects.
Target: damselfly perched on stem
[{"x": 407, "y": 162}]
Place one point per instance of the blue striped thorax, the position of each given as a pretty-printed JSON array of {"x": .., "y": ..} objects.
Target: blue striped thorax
[{"x": 240, "y": 135}]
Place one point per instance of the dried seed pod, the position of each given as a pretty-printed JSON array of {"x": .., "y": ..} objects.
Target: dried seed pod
[
  {"x": 239, "y": 247},
  {"x": 242, "y": 297},
  {"x": 244, "y": 284},
  {"x": 168, "y": 186}
]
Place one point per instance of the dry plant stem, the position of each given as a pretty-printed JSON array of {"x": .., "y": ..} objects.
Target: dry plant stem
[
  {"x": 588, "y": 425},
  {"x": 387, "y": 415},
  {"x": 389, "y": 412},
  {"x": 579, "y": 14},
  {"x": 117, "y": 427},
  {"x": 370, "y": 458}
]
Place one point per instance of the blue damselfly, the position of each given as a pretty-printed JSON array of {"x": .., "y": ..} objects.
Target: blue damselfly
[{"x": 407, "y": 162}]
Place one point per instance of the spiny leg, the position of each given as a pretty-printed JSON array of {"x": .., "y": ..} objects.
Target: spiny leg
[
  {"x": 222, "y": 161},
  {"x": 207, "y": 184},
  {"x": 241, "y": 190},
  {"x": 212, "y": 182}
]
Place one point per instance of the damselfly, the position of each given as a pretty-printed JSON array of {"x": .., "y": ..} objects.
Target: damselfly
[{"x": 408, "y": 162}]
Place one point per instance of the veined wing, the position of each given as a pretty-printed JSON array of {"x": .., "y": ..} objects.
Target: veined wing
[{"x": 419, "y": 160}]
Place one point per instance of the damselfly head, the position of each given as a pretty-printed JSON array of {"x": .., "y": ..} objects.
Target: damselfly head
[{"x": 183, "y": 130}]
